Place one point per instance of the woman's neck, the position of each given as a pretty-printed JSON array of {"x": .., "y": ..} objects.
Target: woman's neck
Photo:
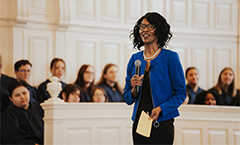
[
  {"x": 111, "y": 84},
  {"x": 87, "y": 85},
  {"x": 194, "y": 87},
  {"x": 150, "y": 49},
  {"x": 225, "y": 87}
]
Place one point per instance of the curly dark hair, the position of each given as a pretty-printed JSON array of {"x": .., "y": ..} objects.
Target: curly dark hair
[{"x": 162, "y": 30}]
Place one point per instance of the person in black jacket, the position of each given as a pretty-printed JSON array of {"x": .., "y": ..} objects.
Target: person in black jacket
[
  {"x": 4, "y": 82},
  {"x": 21, "y": 122}
]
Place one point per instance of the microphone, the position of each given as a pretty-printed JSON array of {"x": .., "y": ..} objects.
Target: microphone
[{"x": 137, "y": 72}]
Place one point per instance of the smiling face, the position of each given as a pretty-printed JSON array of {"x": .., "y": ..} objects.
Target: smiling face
[
  {"x": 147, "y": 32},
  {"x": 209, "y": 99},
  {"x": 192, "y": 77},
  {"x": 20, "y": 97},
  {"x": 227, "y": 77}
]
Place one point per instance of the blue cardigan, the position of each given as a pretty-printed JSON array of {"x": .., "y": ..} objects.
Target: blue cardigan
[{"x": 167, "y": 82}]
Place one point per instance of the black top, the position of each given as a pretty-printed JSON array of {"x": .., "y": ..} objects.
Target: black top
[
  {"x": 85, "y": 97},
  {"x": 4, "y": 83},
  {"x": 224, "y": 98},
  {"x": 145, "y": 103},
  {"x": 113, "y": 95},
  {"x": 43, "y": 93},
  {"x": 20, "y": 126}
]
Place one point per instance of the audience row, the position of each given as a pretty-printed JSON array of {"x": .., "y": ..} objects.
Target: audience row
[
  {"x": 108, "y": 83},
  {"x": 223, "y": 93}
]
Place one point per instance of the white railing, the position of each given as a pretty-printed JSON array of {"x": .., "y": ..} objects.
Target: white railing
[{"x": 110, "y": 124}]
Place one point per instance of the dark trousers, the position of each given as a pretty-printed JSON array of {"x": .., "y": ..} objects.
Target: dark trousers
[{"x": 163, "y": 135}]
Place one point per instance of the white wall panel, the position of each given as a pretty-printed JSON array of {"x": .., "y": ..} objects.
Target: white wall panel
[
  {"x": 201, "y": 14},
  {"x": 179, "y": 13},
  {"x": 19, "y": 44},
  {"x": 236, "y": 134},
  {"x": 222, "y": 60},
  {"x": 200, "y": 58},
  {"x": 157, "y": 6},
  {"x": 217, "y": 137},
  {"x": 40, "y": 55},
  {"x": 223, "y": 19},
  {"x": 110, "y": 52},
  {"x": 133, "y": 10},
  {"x": 60, "y": 44},
  {"x": 79, "y": 135},
  {"x": 111, "y": 10},
  {"x": 38, "y": 10},
  {"x": 183, "y": 52},
  {"x": 108, "y": 135},
  {"x": 86, "y": 52},
  {"x": 192, "y": 136},
  {"x": 85, "y": 9}
]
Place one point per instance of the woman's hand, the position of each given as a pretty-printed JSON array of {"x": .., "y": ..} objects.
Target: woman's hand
[
  {"x": 136, "y": 81},
  {"x": 155, "y": 113}
]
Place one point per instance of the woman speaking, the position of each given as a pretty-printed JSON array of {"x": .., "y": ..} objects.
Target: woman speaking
[{"x": 160, "y": 79}]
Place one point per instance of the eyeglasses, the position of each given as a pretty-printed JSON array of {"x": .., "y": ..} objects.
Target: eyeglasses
[
  {"x": 23, "y": 70},
  {"x": 149, "y": 26}
]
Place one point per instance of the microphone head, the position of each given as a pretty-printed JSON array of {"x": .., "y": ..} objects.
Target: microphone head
[{"x": 137, "y": 63}]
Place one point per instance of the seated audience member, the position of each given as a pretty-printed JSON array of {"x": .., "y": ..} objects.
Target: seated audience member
[
  {"x": 224, "y": 91},
  {"x": 109, "y": 82},
  {"x": 21, "y": 122},
  {"x": 85, "y": 80},
  {"x": 98, "y": 95},
  {"x": 71, "y": 93},
  {"x": 23, "y": 70},
  {"x": 4, "y": 82},
  {"x": 192, "y": 77},
  {"x": 205, "y": 97},
  {"x": 57, "y": 68},
  {"x": 237, "y": 99}
]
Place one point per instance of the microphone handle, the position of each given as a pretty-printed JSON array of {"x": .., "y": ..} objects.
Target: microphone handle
[{"x": 137, "y": 88}]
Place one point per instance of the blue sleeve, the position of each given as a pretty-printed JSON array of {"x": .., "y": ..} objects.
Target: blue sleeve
[
  {"x": 178, "y": 86},
  {"x": 127, "y": 91}
]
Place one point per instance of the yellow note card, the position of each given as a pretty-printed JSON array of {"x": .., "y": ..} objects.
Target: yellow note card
[{"x": 144, "y": 125}]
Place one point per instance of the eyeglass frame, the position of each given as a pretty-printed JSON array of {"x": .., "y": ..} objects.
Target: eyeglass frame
[
  {"x": 24, "y": 71},
  {"x": 148, "y": 26}
]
